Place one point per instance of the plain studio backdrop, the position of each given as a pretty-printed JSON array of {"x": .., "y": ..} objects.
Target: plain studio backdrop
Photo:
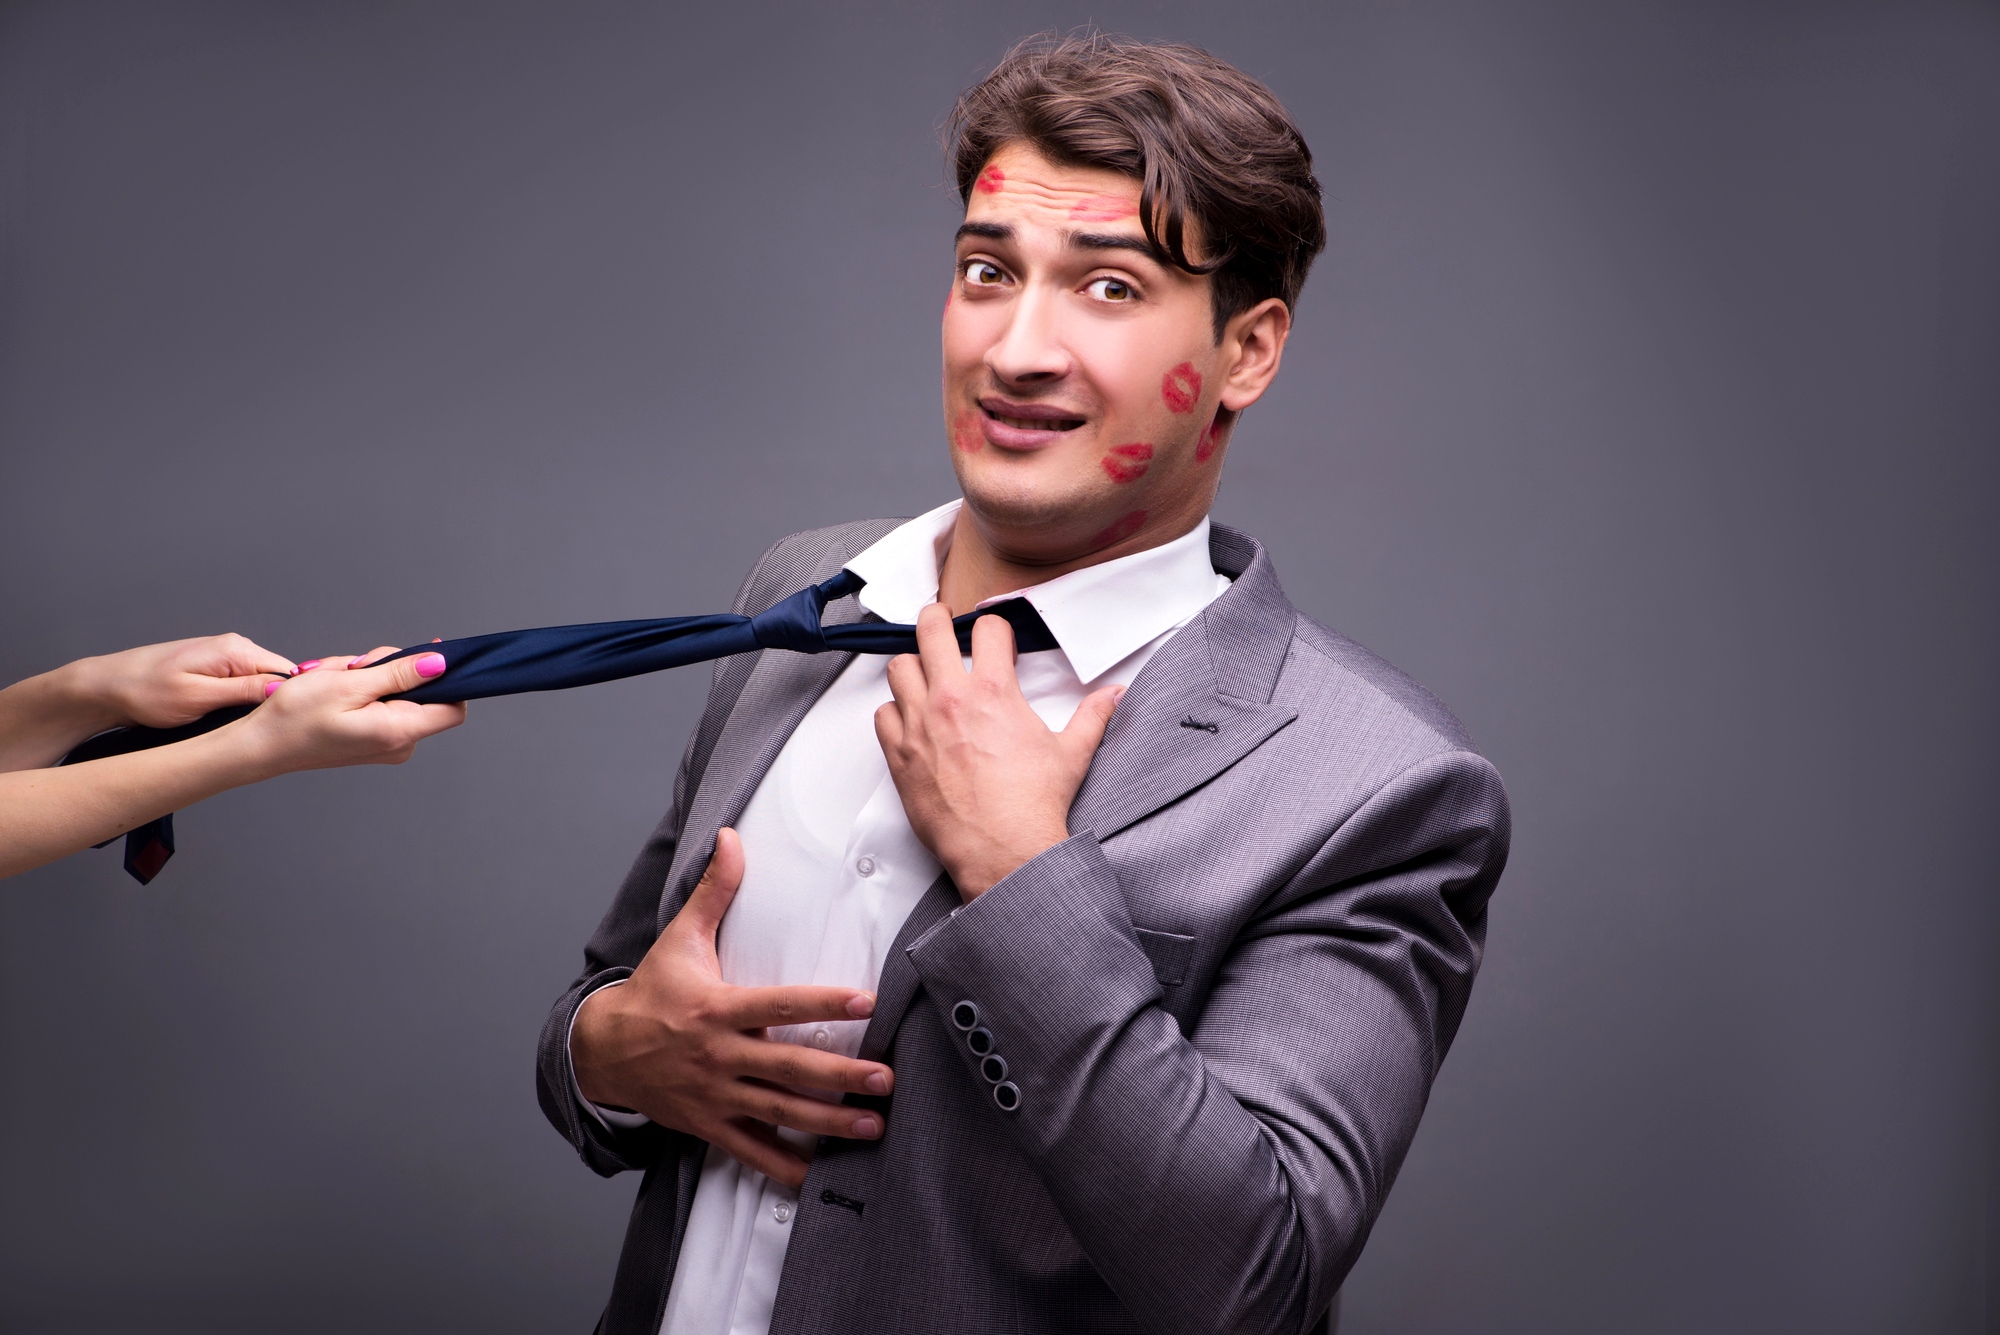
[{"x": 1643, "y": 405}]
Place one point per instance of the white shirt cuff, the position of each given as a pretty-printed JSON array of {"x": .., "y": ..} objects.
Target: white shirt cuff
[{"x": 611, "y": 1119}]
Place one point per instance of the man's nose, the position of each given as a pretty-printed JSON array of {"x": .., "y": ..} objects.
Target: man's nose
[{"x": 1031, "y": 350}]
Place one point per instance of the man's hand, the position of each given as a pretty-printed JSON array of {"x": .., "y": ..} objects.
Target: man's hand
[
  {"x": 688, "y": 1050},
  {"x": 985, "y": 783}
]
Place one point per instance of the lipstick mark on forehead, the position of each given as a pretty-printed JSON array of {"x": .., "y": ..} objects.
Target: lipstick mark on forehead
[
  {"x": 1102, "y": 208},
  {"x": 1204, "y": 448},
  {"x": 1126, "y": 526},
  {"x": 965, "y": 431},
  {"x": 1127, "y": 463},
  {"x": 990, "y": 181},
  {"x": 1181, "y": 388}
]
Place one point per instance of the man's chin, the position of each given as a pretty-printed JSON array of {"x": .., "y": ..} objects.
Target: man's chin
[{"x": 1036, "y": 523}]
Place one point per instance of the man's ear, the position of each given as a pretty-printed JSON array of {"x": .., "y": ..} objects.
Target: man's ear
[{"x": 1253, "y": 343}]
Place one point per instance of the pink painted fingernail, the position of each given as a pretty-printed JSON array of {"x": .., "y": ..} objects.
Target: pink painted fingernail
[
  {"x": 430, "y": 665},
  {"x": 308, "y": 665},
  {"x": 270, "y": 686}
]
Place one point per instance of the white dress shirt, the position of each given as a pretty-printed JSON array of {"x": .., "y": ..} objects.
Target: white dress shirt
[{"x": 832, "y": 867}]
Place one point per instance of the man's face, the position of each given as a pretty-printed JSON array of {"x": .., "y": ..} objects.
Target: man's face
[{"x": 1081, "y": 377}]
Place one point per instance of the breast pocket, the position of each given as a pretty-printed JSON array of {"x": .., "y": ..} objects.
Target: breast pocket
[{"x": 1170, "y": 952}]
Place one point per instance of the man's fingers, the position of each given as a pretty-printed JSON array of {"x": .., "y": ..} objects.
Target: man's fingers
[
  {"x": 906, "y": 682},
  {"x": 993, "y": 649},
  {"x": 713, "y": 893},
  {"x": 798, "y": 1067},
  {"x": 763, "y": 1007},
  {"x": 889, "y": 727},
  {"x": 937, "y": 644},
  {"x": 1087, "y": 725},
  {"x": 779, "y": 1107},
  {"x": 758, "y": 1147}
]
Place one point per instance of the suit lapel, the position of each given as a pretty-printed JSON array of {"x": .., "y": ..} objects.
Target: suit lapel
[{"x": 1201, "y": 704}]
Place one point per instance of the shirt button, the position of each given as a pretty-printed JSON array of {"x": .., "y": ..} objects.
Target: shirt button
[
  {"x": 821, "y": 1038},
  {"x": 782, "y": 1212},
  {"x": 866, "y": 866}
]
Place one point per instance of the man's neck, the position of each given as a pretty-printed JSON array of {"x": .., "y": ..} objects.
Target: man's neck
[{"x": 977, "y": 568}]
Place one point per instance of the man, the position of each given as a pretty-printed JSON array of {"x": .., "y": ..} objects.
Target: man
[{"x": 1110, "y": 980}]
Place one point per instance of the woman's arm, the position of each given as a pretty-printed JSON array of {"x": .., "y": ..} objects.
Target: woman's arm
[
  {"x": 158, "y": 686},
  {"x": 317, "y": 720}
]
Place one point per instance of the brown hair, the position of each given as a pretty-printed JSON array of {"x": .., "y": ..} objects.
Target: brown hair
[{"x": 1205, "y": 141}]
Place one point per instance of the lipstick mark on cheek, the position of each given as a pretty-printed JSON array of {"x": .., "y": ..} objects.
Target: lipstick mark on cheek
[
  {"x": 965, "y": 432},
  {"x": 1126, "y": 526},
  {"x": 1181, "y": 388},
  {"x": 1127, "y": 463},
  {"x": 989, "y": 181},
  {"x": 1204, "y": 448},
  {"x": 1101, "y": 208}
]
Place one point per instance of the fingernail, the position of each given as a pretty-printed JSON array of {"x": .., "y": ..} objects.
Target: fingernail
[
  {"x": 877, "y": 1082},
  {"x": 867, "y": 1128},
  {"x": 430, "y": 665},
  {"x": 307, "y": 666},
  {"x": 359, "y": 660},
  {"x": 1118, "y": 693},
  {"x": 270, "y": 686},
  {"x": 861, "y": 1007}
]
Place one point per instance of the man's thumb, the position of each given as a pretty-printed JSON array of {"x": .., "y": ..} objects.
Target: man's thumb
[
  {"x": 717, "y": 887},
  {"x": 1087, "y": 725}
]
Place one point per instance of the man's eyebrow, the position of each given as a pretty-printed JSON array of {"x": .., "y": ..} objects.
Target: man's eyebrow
[
  {"x": 1112, "y": 241},
  {"x": 989, "y": 231}
]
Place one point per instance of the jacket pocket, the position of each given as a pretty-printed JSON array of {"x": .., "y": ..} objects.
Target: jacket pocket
[{"x": 1170, "y": 953}]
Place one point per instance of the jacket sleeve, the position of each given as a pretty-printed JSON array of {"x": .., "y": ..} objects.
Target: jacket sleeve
[
  {"x": 628, "y": 931},
  {"x": 1226, "y": 1179}
]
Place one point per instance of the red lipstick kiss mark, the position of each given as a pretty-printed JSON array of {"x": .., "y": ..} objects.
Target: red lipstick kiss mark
[
  {"x": 1101, "y": 208},
  {"x": 1204, "y": 449},
  {"x": 1123, "y": 529},
  {"x": 1127, "y": 463},
  {"x": 965, "y": 432},
  {"x": 989, "y": 181},
  {"x": 1181, "y": 388}
]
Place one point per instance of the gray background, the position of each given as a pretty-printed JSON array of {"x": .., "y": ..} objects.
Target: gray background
[{"x": 1643, "y": 405}]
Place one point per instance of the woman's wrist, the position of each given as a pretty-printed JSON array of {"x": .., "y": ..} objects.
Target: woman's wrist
[{"x": 84, "y": 695}]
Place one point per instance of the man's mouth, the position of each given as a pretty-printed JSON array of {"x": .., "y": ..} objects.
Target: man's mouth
[{"x": 1029, "y": 419}]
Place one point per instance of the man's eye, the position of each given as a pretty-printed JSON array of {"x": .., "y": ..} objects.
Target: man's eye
[
  {"x": 1111, "y": 289},
  {"x": 981, "y": 273}
]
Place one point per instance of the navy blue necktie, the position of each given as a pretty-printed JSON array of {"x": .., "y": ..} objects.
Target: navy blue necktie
[{"x": 556, "y": 658}]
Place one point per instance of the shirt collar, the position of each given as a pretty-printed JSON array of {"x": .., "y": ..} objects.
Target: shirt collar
[{"x": 1099, "y": 614}]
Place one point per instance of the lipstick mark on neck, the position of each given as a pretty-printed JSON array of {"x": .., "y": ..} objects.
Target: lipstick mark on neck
[
  {"x": 1126, "y": 526},
  {"x": 1204, "y": 448},
  {"x": 989, "y": 181},
  {"x": 1181, "y": 388},
  {"x": 1102, "y": 208},
  {"x": 1127, "y": 463},
  {"x": 965, "y": 432}
]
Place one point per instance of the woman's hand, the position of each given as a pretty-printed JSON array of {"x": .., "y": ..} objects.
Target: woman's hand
[
  {"x": 158, "y": 685},
  {"x": 334, "y": 714},
  {"x": 166, "y": 685}
]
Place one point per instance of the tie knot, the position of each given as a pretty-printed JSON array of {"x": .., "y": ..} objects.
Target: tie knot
[{"x": 793, "y": 623}]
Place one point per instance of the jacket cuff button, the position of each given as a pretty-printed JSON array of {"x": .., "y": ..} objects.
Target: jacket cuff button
[
  {"x": 1008, "y": 1095},
  {"x": 965, "y": 1015}
]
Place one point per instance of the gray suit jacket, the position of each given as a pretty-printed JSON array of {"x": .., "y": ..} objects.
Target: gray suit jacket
[{"x": 1222, "y": 1002}]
